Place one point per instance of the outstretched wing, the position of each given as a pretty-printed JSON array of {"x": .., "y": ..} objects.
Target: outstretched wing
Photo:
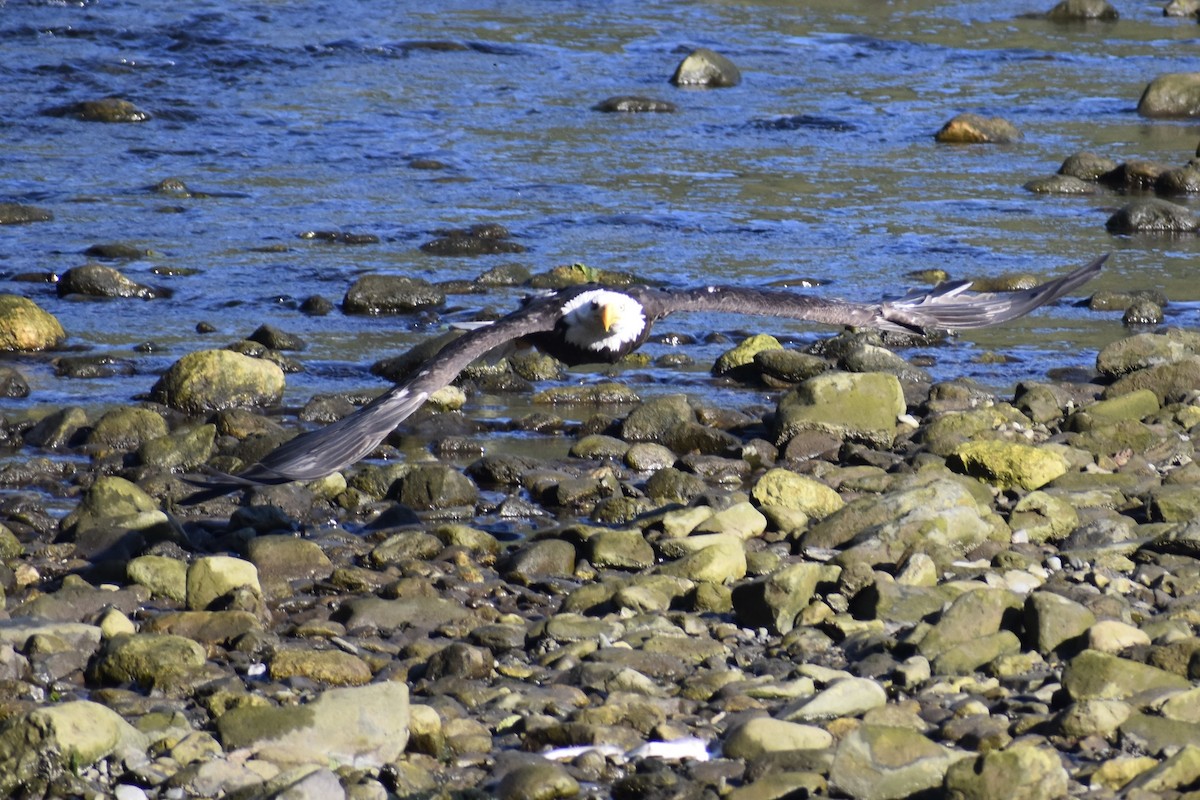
[
  {"x": 949, "y": 307},
  {"x": 326, "y": 450}
]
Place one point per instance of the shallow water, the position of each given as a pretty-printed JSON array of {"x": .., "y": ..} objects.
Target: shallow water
[{"x": 821, "y": 164}]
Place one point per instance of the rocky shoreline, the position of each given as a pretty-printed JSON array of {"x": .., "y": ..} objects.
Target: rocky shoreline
[{"x": 882, "y": 587}]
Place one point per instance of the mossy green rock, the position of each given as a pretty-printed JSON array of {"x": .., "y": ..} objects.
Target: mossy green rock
[
  {"x": 1136, "y": 405},
  {"x": 324, "y": 666},
  {"x": 1043, "y": 517},
  {"x": 363, "y": 727},
  {"x": 165, "y": 577},
  {"x": 110, "y": 500},
  {"x": 149, "y": 659},
  {"x": 972, "y": 614},
  {"x": 213, "y": 380},
  {"x": 743, "y": 354},
  {"x": 1008, "y": 464},
  {"x": 938, "y": 517},
  {"x": 125, "y": 427},
  {"x": 185, "y": 449},
  {"x": 24, "y": 326},
  {"x": 429, "y": 486},
  {"x": 213, "y": 577},
  {"x": 62, "y": 739},
  {"x": 1052, "y": 621},
  {"x": 651, "y": 420},
  {"x": 786, "y": 489},
  {"x": 620, "y": 549},
  {"x": 1170, "y": 383},
  {"x": 1096, "y": 675},
  {"x": 1023, "y": 771},
  {"x": 968, "y": 657},
  {"x": 859, "y": 406},
  {"x": 762, "y": 735},
  {"x": 947, "y": 432},
  {"x": 714, "y": 557}
]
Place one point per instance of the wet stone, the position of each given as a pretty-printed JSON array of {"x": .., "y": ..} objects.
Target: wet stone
[
  {"x": 390, "y": 294},
  {"x": 976, "y": 129},
  {"x": 703, "y": 67}
]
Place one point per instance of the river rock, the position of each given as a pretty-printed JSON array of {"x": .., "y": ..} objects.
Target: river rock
[
  {"x": 108, "y": 109},
  {"x": 733, "y": 362},
  {"x": 63, "y": 738},
  {"x": 1175, "y": 94},
  {"x": 536, "y": 561},
  {"x": 112, "y": 501},
  {"x": 1053, "y": 621},
  {"x": 19, "y": 214},
  {"x": 703, "y": 67},
  {"x": 1008, "y": 464},
  {"x": 280, "y": 560},
  {"x": 126, "y": 427},
  {"x": 651, "y": 420},
  {"x": 713, "y": 558},
  {"x": 433, "y": 486},
  {"x": 1146, "y": 350},
  {"x": 1040, "y": 517},
  {"x": 976, "y": 129},
  {"x": 360, "y": 727},
  {"x": 213, "y": 577},
  {"x": 151, "y": 660},
  {"x": 12, "y": 383},
  {"x": 98, "y": 280},
  {"x": 186, "y": 448},
  {"x": 973, "y": 615},
  {"x": 391, "y": 294},
  {"x": 859, "y": 406},
  {"x": 25, "y": 326},
  {"x": 1087, "y": 166},
  {"x": 760, "y": 735},
  {"x": 164, "y": 576},
  {"x": 1076, "y": 10},
  {"x": 1027, "y": 771},
  {"x": 1170, "y": 383},
  {"x": 776, "y": 600},
  {"x": 332, "y": 667},
  {"x": 846, "y": 697},
  {"x": 1151, "y": 215},
  {"x": 1095, "y": 675},
  {"x": 620, "y": 549},
  {"x": 1060, "y": 184},
  {"x": 57, "y": 429},
  {"x": 634, "y": 104},
  {"x": 542, "y": 780},
  {"x": 782, "y": 488},
  {"x": 213, "y": 380},
  {"x": 878, "y": 762}
]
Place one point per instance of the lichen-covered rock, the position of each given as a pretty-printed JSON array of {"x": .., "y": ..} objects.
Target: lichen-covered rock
[
  {"x": 331, "y": 667},
  {"x": 883, "y": 762},
  {"x": 1027, "y": 771},
  {"x": 1008, "y": 464},
  {"x": 362, "y": 727},
  {"x": 734, "y": 361},
  {"x": 1095, "y": 675},
  {"x": 428, "y": 486},
  {"x": 24, "y": 326},
  {"x": 164, "y": 576},
  {"x": 185, "y": 448},
  {"x": 213, "y": 380},
  {"x": 1170, "y": 383},
  {"x": 125, "y": 427},
  {"x": 1053, "y": 621},
  {"x": 761, "y": 735},
  {"x": 213, "y": 577},
  {"x": 783, "y": 488},
  {"x": 976, "y": 129},
  {"x": 776, "y": 600},
  {"x": 703, "y": 67},
  {"x": 150, "y": 660},
  {"x": 858, "y": 406},
  {"x": 62, "y": 739},
  {"x": 713, "y": 558},
  {"x": 112, "y": 500}
]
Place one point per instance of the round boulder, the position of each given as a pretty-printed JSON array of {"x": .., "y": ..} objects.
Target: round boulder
[
  {"x": 25, "y": 326},
  {"x": 1175, "y": 94},
  {"x": 98, "y": 280},
  {"x": 703, "y": 67},
  {"x": 213, "y": 380}
]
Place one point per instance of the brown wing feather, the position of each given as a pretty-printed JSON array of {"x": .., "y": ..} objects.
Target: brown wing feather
[{"x": 950, "y": 307}]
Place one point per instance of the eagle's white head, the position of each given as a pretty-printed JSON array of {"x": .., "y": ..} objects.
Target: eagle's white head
[{"x": 602, "y": 319}]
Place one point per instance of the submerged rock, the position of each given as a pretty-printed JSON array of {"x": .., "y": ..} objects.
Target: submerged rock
[
  {"x": 97, "y": 280},
  {"x": 976, "y": 129},
  {"x": 703, "y": 67},
  {"x": 390, "y": 294}
]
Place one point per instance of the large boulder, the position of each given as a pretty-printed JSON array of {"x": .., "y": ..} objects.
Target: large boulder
[{"x": 213, "y": 380}]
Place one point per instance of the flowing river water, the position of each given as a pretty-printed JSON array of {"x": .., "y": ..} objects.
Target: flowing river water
[{"x": 325, "y": 116}]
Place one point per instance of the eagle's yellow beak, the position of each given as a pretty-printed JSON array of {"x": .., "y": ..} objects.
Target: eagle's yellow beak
[{"x": 608, "y": 317}]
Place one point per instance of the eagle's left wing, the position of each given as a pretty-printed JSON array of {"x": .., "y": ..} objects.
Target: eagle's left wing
[{"x": 326, "y": 450}]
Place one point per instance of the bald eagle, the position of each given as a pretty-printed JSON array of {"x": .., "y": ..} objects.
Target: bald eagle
[{"x": 588, "y": 325}]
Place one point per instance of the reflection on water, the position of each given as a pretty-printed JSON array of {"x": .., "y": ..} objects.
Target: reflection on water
[{"x": 316, "y": 118}]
